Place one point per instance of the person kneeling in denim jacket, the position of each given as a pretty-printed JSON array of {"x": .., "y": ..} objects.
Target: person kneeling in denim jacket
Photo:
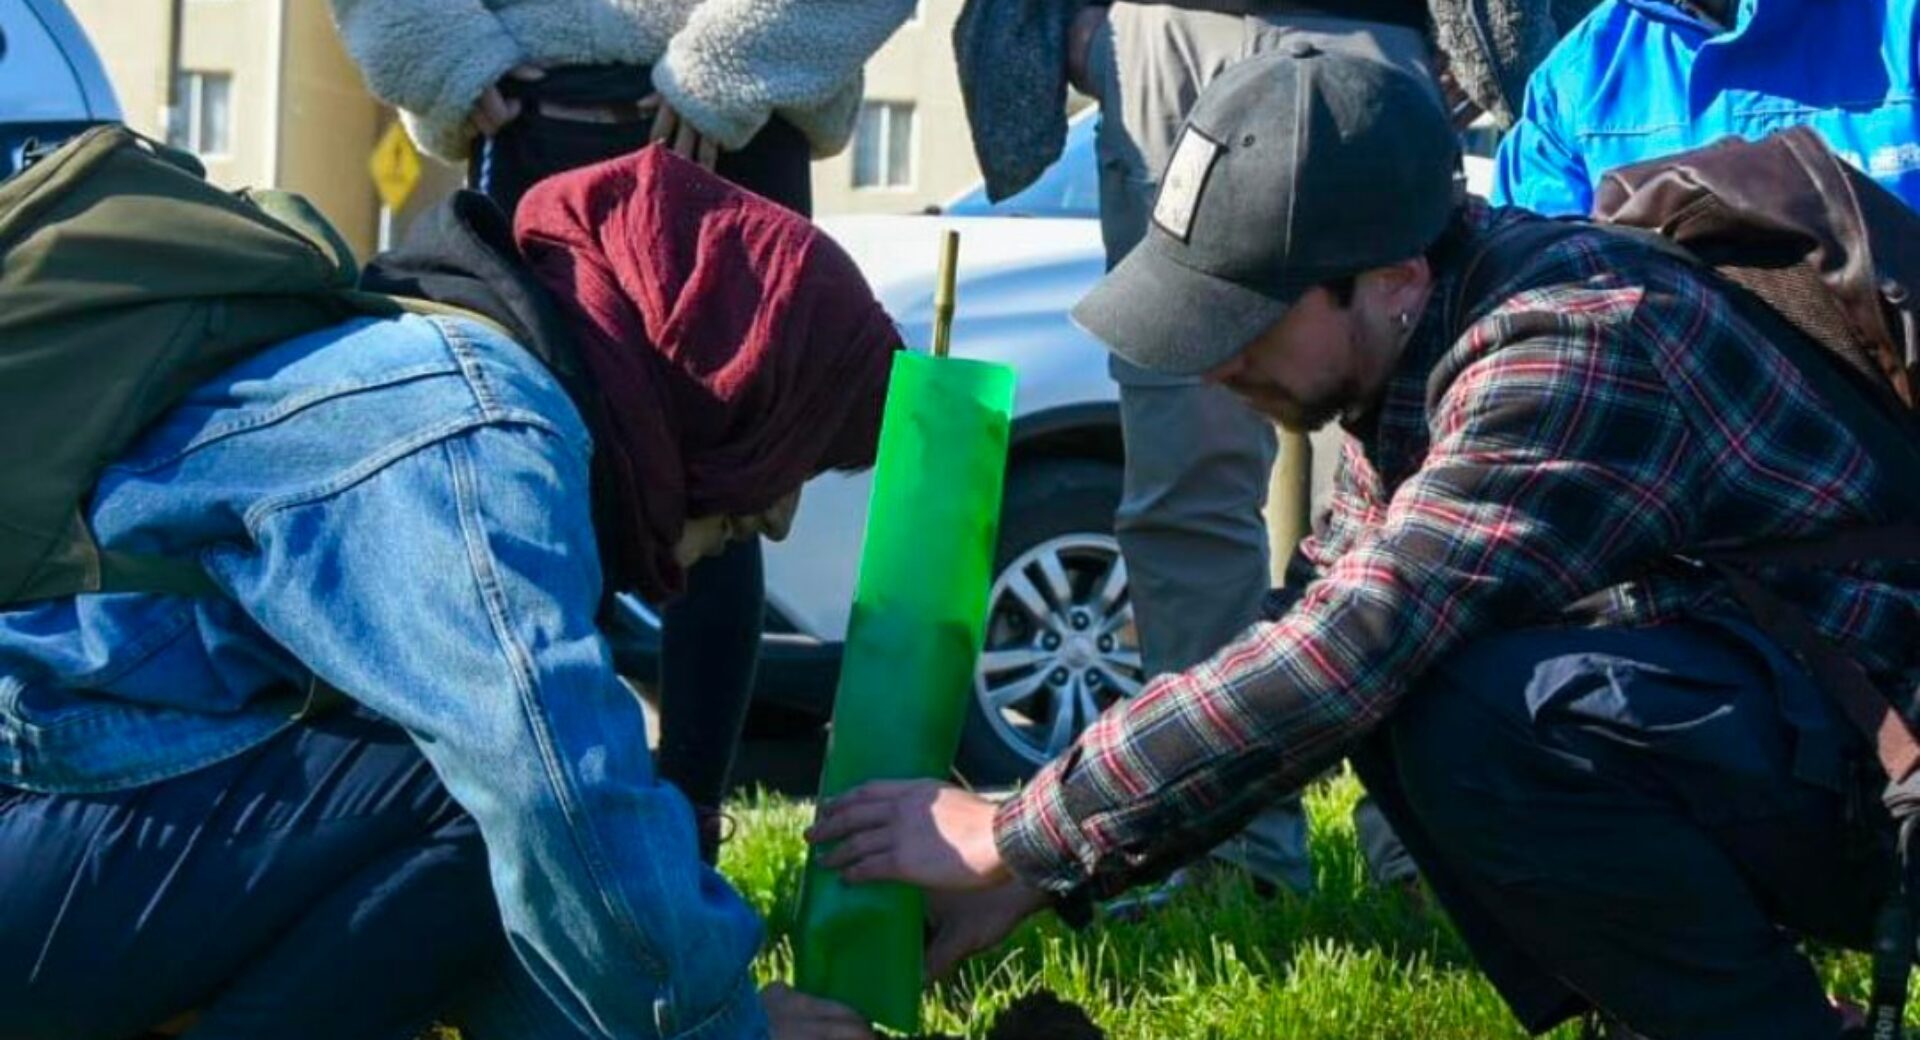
[{"x": 415, "y": 513}]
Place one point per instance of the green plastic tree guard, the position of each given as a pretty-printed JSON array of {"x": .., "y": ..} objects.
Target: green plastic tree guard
[{"x": 919, "y": 616}]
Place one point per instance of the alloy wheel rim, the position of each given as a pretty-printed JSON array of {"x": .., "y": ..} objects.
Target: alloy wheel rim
[{"x": 1061, "y": 645}]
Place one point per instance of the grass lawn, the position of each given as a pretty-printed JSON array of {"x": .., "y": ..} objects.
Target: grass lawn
[
  {"x": 1352, "y": 961},
  {"x": 1217, "y": 962}
]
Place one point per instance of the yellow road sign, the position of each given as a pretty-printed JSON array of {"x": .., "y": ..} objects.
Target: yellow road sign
[{"x": 395, "y": 167}]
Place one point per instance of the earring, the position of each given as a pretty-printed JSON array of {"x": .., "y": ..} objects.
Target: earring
[{"x": 1406, "y": 321}]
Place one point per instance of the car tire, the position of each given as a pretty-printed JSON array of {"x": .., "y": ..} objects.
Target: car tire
[{"x": 1058, "y": 510}]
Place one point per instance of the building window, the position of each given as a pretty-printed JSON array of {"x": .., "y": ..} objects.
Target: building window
[
  {"x": 203, "y": 122},
  {"x": 883, "y": 146}
]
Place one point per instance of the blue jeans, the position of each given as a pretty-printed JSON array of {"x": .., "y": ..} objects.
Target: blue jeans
[
  {"x": 1639, "y": 820},
  {"x": 398, "y": 508}
]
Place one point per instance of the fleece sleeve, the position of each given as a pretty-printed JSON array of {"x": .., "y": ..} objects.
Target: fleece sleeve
[
  {"x": 429, "y": 58},
  {"x": 735, "y": 63}
]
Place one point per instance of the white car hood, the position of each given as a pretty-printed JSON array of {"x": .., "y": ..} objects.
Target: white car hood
[{"x": 900, "y": 255}]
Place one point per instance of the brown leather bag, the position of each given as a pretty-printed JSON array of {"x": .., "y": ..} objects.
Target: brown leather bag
[{"x": 1832, "y": 252}]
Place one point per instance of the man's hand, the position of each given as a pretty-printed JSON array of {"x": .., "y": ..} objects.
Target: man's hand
[
  {"x": 681, "y": 136},
  {"x": 795, "y": 1016},
  {"x": 1086, "y": 24},
  {"x": 918, "y": 831},
  {"x": 964, "y": 923},
  {"x": 495, "y": 110}
]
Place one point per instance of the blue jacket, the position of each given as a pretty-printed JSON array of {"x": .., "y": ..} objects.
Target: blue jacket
[{"x": 1639, "y": 79}]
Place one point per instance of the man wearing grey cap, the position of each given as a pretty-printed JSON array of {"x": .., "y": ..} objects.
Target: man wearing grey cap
[
  {"x": 1197, "y": 467},
  {"x": 1626, "y": 796}
]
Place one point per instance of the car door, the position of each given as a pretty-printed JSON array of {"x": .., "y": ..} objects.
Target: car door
[{"x": 51, "y": 80}]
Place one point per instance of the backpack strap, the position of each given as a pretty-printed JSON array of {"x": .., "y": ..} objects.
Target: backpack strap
[
  {"x": 305, "y": 219},
  {"x": 1854, "y": 545},
  {"x": 83, "y": 568},
  {"x": 1832, "y": 668},
  {"x": 300, "y": 215},
  {"x": 1890, "y": 439},
  {"x": 109, "y": 571},
  {"x": 133, "y": 572}
]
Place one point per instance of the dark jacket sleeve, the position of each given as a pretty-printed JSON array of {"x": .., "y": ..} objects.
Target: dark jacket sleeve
[
  {"x": 1013, "y": 80},
  {"x": 1012, "y": 64}
]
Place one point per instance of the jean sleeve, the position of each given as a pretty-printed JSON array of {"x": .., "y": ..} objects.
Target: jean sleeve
[{"x": 453, "y": 589}]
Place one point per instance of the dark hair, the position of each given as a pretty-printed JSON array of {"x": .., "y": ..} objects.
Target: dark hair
[{"x": 1437, "y": 254}]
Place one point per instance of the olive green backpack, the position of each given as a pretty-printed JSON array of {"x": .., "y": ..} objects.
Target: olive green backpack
[{"x": 126, "y": 280}]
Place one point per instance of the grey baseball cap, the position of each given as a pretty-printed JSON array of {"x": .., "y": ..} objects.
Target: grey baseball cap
[{"x": 1296, "y": 167}]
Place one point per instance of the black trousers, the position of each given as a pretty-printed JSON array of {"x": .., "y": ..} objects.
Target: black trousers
[
  {"x": 777, "y": 163},
  {"x": 1643, "y": 820},
  {"x": 711, "y": 635},
  {"x": 321, "y": 886}
]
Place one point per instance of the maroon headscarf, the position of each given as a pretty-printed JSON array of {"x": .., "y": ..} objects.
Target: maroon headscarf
[{"x": 737, "y": 347}]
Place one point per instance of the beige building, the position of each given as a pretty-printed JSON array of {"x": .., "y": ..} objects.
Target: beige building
[
  {"x": 267, "y": 96},
  {"x": 911, "y": 147}
]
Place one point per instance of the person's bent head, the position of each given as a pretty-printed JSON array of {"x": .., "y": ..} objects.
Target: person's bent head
[
  {"x": 738, "y": 350},
  {"x": 1287, "y": 254}
]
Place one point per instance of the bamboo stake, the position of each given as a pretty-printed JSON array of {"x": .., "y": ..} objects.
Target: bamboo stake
[{"x": 943, "y": 293}]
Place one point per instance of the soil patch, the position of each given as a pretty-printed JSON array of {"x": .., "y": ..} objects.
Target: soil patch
[{"x": 1039, "y": 1016}]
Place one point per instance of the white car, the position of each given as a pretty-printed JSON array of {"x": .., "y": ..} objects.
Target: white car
[
  {"x": 1060, "y": 640},
  {"x": 51, "y": 82}
]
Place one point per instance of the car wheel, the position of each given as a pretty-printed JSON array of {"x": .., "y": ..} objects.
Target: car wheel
[{"x": 1060, "y": 644}]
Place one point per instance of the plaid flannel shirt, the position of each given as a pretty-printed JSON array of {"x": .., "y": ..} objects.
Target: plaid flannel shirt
[{"x": 1551, "y": 464}]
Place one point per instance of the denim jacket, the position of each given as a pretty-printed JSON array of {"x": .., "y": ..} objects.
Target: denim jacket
[
  {"x": 1639, "y": 79},
  {"x": 400, "y": 509}
]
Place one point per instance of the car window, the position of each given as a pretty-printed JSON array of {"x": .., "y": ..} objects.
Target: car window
[{"x": 1069, "y": 188}]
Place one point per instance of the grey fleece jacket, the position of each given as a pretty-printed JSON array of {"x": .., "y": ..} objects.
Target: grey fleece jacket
[
  {"x": 1012, "y": 69},
  {"x": 726, "y": 65}
]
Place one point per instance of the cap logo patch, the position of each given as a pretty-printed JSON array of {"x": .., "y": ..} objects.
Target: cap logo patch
[{"x": 1184, "y": 182}]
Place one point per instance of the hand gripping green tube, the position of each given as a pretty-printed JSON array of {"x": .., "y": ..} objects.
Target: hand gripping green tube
[{"x": 919, "y": 616}]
